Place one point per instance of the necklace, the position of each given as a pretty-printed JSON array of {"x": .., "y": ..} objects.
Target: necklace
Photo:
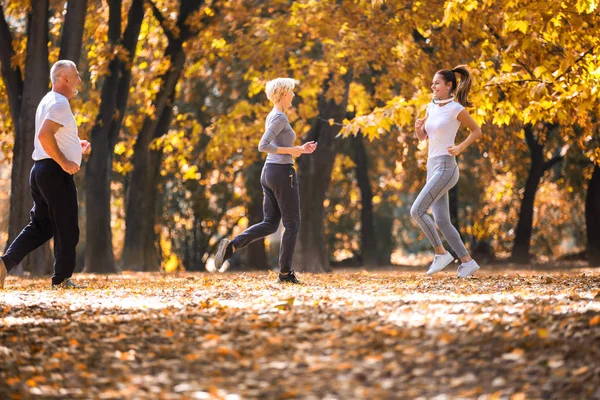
[{"x": 438, "y": 101}]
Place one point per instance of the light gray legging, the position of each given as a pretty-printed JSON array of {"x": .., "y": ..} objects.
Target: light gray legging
[{"x": 442, "y": 175}]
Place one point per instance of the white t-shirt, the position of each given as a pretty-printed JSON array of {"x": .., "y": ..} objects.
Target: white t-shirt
[
  {"x": 55, "y": 107},
  {"x": 441, "y": 127}
]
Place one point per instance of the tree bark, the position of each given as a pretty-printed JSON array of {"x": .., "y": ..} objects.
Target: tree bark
[
  {"x": 34, "y": 87},
  {"x": 522, "y": 243},
  {"x": 520, "y": 250},
  {"x": 367, "y": 229},
  {"x": 314, "y": 175},
  {"x": 11, "y": 76},
  {"x": 140, "y": 252},
  {"x": 592, "y": 218},
  {"x": 99, "y": 256},
  {"x": 72, "y": 36},
  {"x": 483, "y": 251},
  {"x": 384, "y": 226},
  {"x": 200, "y": 242}
]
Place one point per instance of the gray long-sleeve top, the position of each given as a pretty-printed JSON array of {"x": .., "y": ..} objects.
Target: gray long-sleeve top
[{"x": 278, "y": 133}]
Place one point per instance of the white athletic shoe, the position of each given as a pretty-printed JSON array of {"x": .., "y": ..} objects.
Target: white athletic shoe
[
  {"x": 440, "y": 261},
  {"x": 220, "y": 256},
  {"x": 224, "y": 267},
  {"x": 468, "y": 269}
]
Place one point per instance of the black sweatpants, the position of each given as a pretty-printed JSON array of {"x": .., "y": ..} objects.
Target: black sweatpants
[
  {"x": 54, "y": 214},
  {"x": 281, "y": 201}
]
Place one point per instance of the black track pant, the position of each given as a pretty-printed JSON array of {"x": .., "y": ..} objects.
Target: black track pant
[{"x": 54, "y": 214}]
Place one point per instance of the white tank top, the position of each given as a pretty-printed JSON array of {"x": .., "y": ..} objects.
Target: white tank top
[{"x": 441, "y": 127}]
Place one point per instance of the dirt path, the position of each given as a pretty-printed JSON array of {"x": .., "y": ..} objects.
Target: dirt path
[{"x": 510, "y": 334}]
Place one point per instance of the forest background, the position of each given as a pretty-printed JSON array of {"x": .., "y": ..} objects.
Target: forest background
[{"x": 173, "y": 103}]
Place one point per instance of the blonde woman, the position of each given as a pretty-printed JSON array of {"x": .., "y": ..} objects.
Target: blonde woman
[
  {"x": 279, "y": 183},
  {"x": 444, "y": 116}
]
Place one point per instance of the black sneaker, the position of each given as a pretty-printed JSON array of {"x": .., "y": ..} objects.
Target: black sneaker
[
  {"x": 222, "y": 255},
  {"x": 291, "y": 278},
  {"x": 67, "y": 284}
]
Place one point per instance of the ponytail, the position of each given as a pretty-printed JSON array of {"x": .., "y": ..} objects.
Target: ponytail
[
  {"x": 462, "y": 92},
  {"x": 459, "y": 90}
]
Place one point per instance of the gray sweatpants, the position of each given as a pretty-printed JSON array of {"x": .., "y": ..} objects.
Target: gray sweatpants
[{"x": 442, "y": 175}]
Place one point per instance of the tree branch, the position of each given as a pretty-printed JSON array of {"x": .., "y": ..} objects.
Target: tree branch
[
  {"x": 557, "y": 48},
  {"x": 590, "y": 50},
  {"x": 132, "y": 30},
  {"x": 12, "y": 76},
  {"x": 73, "y": 27},
  {"x": 334, "y": 122},
  {"x": 515, "y": 82},
  {"x": 559, "y": 155},
  {"x": 534, "y": 146},
  {"x": 554, "y": 160},
  {"x": 162, "y": 21},
  {"x": 188, "y": 8},
  {"x": 526, "y": 68}
]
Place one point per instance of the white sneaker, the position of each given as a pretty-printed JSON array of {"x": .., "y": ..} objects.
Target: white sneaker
[
  {"x": 468, "y": 269},
  {"x": 440, "y": 261},
  {"x": 224, "y": 267}
]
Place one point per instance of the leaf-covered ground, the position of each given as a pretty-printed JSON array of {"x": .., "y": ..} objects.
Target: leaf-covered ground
[{"x": 387, "y": 334}]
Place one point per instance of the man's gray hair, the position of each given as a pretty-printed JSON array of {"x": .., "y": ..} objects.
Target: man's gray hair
[{"x": 59, "y": 68}]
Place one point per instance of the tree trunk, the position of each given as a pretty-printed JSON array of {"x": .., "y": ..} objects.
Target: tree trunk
[
  {"x": 522, "y": 243},
  {"x": 140, "y": 251},
  {"x": 314, "y": 175},
  {"x": 592, "y": 218},
  {"x": 35, "y": 86},
  {"x": 483, "y": 251},
  {"x": 384, "y": 226},
  {"x": 255, "y": 255},
  {"x": 99, "y": 256},
  {"x": 367, "y": 230},
  {"x": 199, "y": 243},
  {"x": 11, "y": 76},
  {"x": 72, "y": 36}
]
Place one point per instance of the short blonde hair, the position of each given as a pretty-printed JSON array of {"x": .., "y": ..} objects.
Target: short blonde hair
[{"x": 276, "y": 88}]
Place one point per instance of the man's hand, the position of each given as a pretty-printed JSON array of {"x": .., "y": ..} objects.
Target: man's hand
[
  {"x": 86, "y": 147},
  {"x": 69, "y": 167}
]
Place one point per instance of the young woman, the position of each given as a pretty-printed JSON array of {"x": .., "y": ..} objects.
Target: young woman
[
  {"x": 279, "y": 184},
  {"x": 444, "y": 116}
]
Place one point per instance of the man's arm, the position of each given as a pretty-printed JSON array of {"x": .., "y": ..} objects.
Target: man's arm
[{"x": 48, "y": 142}]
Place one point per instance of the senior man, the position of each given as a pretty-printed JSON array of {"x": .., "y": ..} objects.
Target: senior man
[{"x": 57, "y": 155}]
